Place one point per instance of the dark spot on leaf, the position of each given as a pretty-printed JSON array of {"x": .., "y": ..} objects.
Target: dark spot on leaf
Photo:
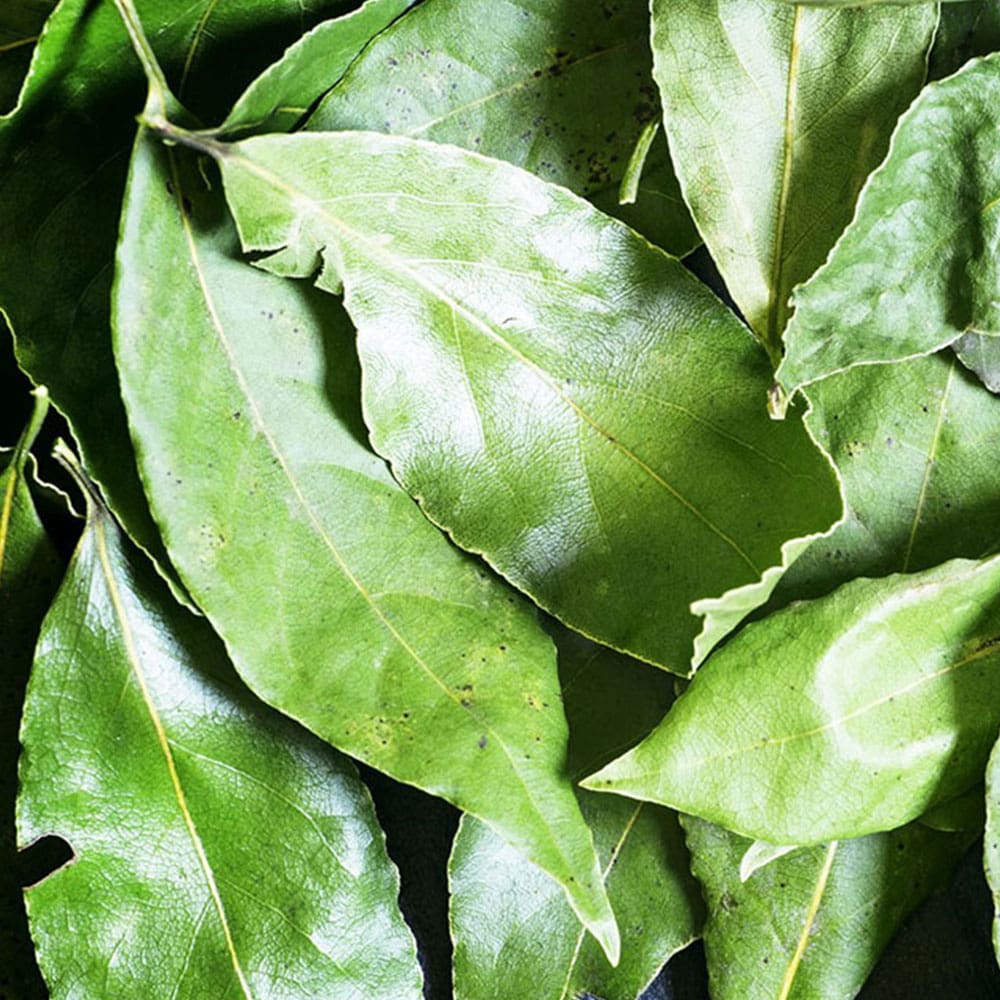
[
  {"x": 237, "y": 415},
  {"x": 482, "y": 742}
]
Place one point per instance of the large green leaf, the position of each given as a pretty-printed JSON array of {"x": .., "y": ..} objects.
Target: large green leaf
[
  {"x": 63, "y": 160},
  {"x": 603, "y": 467},
  {"x": 20, "y": 25},
  {"x": 914, "y": 444},
  {"x": 340, "y": 603},
  {"x": 282, "y": 95},
  {"x": 917, "y": 267},
  {"x": 560, "y": 88},
  {"x": 30, "y": 572},
  {"x": 776, "y": 114},
  {"x": 811, "y": 924},
  {"x": 219, "y": 850},
  {"x": 509, "y": 922},
  {"x": 886, "y": 694}
]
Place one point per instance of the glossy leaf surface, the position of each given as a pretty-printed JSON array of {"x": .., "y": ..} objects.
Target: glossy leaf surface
[
  {"x": 775, "y": 116},
  {"x": 220, "y": 850},
  {"x": 30, "y": 572},
  {"x": 64, "y": 157},
  {"x": 917, "y": 267},
  {"x": 559, "y": 88},
  {"x": 811, "y": 924},
  {"x": 885, "y": 693},
  {"x": 341, "y": 605},
  {"x": 913, "y": 443},
  {"x": 282, "y": 95},
  {"x": 511, "y": 925},
  {"x": 634, "y": 460}
]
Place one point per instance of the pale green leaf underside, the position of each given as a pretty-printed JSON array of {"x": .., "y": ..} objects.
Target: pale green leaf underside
[
  {"x": 813, "y": 923},
  {"x": 776, "y": 115},
  {"x": 341, "y": 605},
  {"x": 219, "y": 850},
  {"x": 603, "y": 466},
  {"x": 559, "y": 88},
  {"x": 917, "y": 267},
  {"x": 884, "y": 693}
]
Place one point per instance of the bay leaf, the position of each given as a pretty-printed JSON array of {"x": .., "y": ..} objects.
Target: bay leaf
[
  {"x": 559, "y": 88},
  {"x": 776, "y": 114},
  {"x": 340, "y": 604},
  {"x": 603, "y": 467},
  {"x": 917, "y": 268},
  {"x": 881, "y": 693},
  {"x": 509, "y": 922},
  {"x": 218, "y": 849}
]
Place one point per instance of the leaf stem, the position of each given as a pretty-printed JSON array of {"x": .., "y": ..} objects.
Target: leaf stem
[{"x": 159, "y": 100}]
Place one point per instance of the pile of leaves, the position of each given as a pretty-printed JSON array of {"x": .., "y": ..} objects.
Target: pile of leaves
[{"x": 583, "y": 415}]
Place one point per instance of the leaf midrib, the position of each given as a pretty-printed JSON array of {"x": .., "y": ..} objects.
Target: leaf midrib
[
  {"x": 132, "y": 653},
  {"x": 396, "y": 264},
  {"x": 556, "y": 841}
]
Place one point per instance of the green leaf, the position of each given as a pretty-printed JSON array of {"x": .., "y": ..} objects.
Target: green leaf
[
  {"x": 559, "y": 88},
  {"x": 282, "y": 95},
  {"x": 503, "y": 910},
  {"x": 341, "y": 605},
  {"x": 981, "y": 355},
  {"x": 64, "y": 159},
  {"x": 220, "y": 851},
  {"x": 885, "y": 693},
  {"x": 813, "y": 923},
  {"x": 914, "y": 444},
  {"x": 30, "y": 572},
  {"x": 918, "y": 266},
  {"x": 964, "y": 812},
  {"x": 631, "y": 453},
  {"x": 20, "y": 25},
  {"x": 775, "y": 115}
]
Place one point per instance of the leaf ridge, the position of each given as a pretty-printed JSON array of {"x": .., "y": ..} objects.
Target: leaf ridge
[
  {"x": 788, "y": 156},
  {"x": 318, "y": 527},
  {"x": 164, "y": 742},
  {"x": 616, "y": 850},
  {"x": 487, "y": 328},
  {"x": 929, "y": 466},
  {"x": 814, "y": 904}
]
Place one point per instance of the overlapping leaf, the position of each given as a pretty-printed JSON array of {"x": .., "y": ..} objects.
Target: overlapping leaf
[
  {"x": 812, "y": 923},
  {"x": 775, "y": 115},
  {"x": 509, "y": 922},
  {"x": 341, "y": 605},
  {"x": 282, "y": 95},
  {"x": 219, "y": 849},
  {"x": 558, "y": 394},
  {"x": 64, "y": 156},
  {"x": 914, "y": 445},
  {"x": 918, "y": 266},
  {"x": 559, "y": 88},
  {"x": 884, "y": 693},
  {"x": 29, "y": 575}
]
